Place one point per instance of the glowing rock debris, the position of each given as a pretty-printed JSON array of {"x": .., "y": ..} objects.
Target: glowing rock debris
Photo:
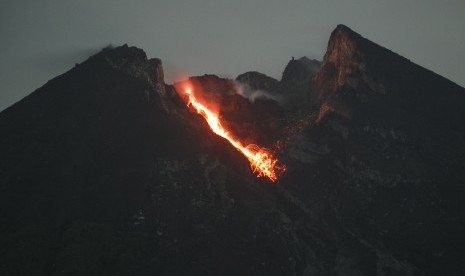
[{"x": 261, "y": 160}]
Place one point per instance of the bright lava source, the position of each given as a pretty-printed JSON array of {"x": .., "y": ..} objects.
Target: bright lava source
[{"x": 262, "y": 162}]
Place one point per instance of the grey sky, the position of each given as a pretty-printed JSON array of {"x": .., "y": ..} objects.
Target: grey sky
[{"x": 42, "y": 39}]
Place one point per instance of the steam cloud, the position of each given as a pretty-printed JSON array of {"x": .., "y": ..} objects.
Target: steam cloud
[{"x": 251, "y": 94}]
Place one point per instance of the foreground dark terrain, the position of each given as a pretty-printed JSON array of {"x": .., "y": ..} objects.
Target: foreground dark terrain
[{"x": 105, "y": 171}]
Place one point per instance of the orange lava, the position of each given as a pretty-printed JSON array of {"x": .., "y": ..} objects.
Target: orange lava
[{"x": 262, "y": 162}]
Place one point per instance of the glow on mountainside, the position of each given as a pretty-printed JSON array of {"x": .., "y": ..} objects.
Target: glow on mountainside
[{"x": 262, "y": 162}]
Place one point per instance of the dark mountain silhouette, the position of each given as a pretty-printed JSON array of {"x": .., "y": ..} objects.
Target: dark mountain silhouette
[
  {"x": 298, "y": 70},
  {"x": 105, "y": 171},
  {"x": 391, "y": 137},
  {"x": 292, "y": 90},
  {"x": 258, "y": 81}
]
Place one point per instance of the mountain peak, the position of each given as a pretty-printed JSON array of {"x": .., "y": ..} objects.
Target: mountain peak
[
  {"x": 344, "y": 30},
  {"x": 343, "y": 35},
  {"x": 352, "y": 61},
  {"x": 299, "y": 69},
  {"x": 107, "y": 158},
  {"x": 258, "y": 81},
  {"x": 132, "y": 61},
  {"x": 345, "y": 57},
  {"x": 123, "y": 51}
]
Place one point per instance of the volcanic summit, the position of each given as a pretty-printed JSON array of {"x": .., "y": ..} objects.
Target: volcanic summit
[{"x": 108, "y": 170}]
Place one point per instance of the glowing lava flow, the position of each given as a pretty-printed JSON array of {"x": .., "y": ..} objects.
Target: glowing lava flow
[{"x": 263, "y": 163}]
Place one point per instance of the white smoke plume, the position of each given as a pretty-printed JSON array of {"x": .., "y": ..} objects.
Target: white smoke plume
[{"x": 251, "y": 94}]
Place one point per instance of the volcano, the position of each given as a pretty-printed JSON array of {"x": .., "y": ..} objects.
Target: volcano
[{"x": 108, "y": 170}]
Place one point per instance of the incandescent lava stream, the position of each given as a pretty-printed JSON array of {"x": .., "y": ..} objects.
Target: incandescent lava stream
[{"x": 261, "y": 160}]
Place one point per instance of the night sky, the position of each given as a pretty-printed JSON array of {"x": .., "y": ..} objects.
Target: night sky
[{"x": 42, "y": 39}]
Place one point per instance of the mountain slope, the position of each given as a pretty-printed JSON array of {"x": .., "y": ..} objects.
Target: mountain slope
[
  {"x": 391, "y": 135},
  {"x": 105, "y": 171}
]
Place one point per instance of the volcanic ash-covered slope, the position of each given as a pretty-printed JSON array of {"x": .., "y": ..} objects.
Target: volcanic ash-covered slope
[
  {"x": 104, "y": 171},
  {"x": 386, "y": 156},
  {"x": 253, "y": 122}
]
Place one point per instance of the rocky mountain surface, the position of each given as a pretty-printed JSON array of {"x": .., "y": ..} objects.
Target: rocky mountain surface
[
  {"x": 292, "y": 91},
  {"x": 104, "y": 170},
  {"x": 260, "y": 121},
  {"x": 258, "y": 81},
  {"x": 390, "y": 135}
]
